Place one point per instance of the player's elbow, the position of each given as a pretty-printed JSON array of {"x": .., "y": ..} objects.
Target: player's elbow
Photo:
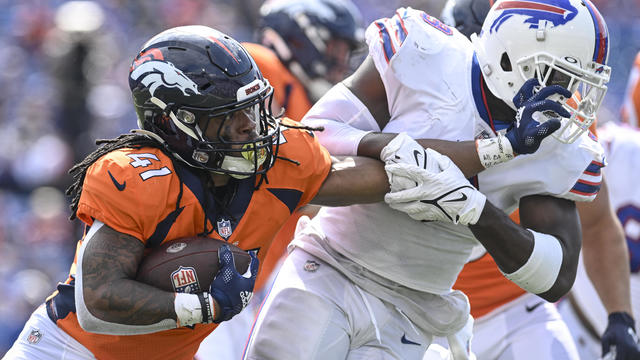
[{"x": 560, "y": 288}]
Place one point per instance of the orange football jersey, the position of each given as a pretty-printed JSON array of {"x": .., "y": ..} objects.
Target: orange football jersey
[
  {"x": 135, "y": 191},
  {"x": 289, "y": 93}
]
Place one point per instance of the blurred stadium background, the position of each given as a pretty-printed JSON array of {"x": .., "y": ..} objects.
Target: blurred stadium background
[{"x": 63, "y": 83}]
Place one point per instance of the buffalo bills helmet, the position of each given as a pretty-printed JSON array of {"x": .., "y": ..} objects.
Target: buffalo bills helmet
[
  {"x": 185, "y": 77},
  {"x": 304, "y": 34},
  {"x": 564, "y": 42}
]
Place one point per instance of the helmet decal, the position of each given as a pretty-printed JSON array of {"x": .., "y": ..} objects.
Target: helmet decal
[
  {"x": 601, "y": 51},
  {"x": 219, "y": 43},
  {"x": 154, "y": 74},
  {"x": 555, "y": 12}
]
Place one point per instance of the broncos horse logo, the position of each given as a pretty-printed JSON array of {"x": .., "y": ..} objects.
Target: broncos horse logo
[
  {"x": 556, "y": 12},
  {"x": 155, "y": 73}
]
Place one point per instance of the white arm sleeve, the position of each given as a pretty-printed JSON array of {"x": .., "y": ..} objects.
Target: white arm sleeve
[
  {"x": 345, "y": 120},
  {"x": 89, "y": 322},
  {"x": 541, "y": 271}
]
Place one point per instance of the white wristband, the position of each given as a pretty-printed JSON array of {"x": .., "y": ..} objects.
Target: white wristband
[
  {"x": 541, "y": 271},
  {"x": 188, "y": 309},
  {"x": 494, "y": 151}
]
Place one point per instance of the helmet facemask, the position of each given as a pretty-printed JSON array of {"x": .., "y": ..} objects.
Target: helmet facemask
[
  {"x": 588, "y": 84},
  {"x": 564, "y": 43},
  {"x": 221, "y": 154}
]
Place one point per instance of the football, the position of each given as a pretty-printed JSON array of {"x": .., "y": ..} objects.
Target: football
[{"x": 187, "y": 265}]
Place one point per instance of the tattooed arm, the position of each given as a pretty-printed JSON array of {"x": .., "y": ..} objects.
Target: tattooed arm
[
  {"x": 109, "y": 264},
  {"x": 108, "y": 299}
]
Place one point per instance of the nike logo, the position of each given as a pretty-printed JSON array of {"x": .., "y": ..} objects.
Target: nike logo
[
  {"x": 404, "y": 340},
  {"x": 533, "y": 307},
  {"x": 416, "y": 156},
  {"x": 116, "y": 183},
  {"x": 461, "y": 198}
]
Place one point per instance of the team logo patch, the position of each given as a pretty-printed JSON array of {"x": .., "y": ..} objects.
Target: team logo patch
[
  {"x": 537, "y": 13},
  {"x": 34, "y": 336},
  {"x": 224, "y": 228},
  {"x": 185, "y": 280},
  {"x": 311, "y": 266},
  {"x": 156, "y": 73},
  {"x": 177, "y": 247}
]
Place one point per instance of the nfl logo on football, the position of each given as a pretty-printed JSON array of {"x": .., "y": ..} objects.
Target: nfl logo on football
[{"x": 184, "y": 280}]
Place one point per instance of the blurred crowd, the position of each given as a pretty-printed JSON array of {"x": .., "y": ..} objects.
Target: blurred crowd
[{"x": 63, "y": 84}]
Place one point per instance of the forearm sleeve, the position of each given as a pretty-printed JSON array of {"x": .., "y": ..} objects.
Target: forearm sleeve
[{"x": 346, "y": 120}]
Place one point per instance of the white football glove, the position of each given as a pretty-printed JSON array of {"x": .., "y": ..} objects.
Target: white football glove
[
  {"x": 405, "y": 150},
  {"x": 440, "y": 195}
]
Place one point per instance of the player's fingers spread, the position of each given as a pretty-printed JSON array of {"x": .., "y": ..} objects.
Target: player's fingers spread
[
  {"x": 551, "y": 125},
  {"x": 550, "y": 105},
  {"x": 525, "y": 92},
  {"x": 547, "y": 91}
]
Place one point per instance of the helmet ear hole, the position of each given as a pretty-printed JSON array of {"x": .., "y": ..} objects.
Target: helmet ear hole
[{"x": 505, "y": 63}]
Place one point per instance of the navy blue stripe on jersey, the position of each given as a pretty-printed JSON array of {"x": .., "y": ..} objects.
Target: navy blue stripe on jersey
[
  {"x": 480, "y": 99},
  {"x": 387, "y": 42},
  {"x": 163, "y": 227},
  {"x": 587, "y": 188},
  {"x": 290, "y": 197},
  {"x": 197, "y": 186},
  {"x": 594, "y": 168},
  {"x": 241, "y": 200}
]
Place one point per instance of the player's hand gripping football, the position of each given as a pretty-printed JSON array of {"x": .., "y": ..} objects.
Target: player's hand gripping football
[
  {"x": 619, "y": 341},
  {"x": 230, "y": 289},
  {"x": 427, "y": 185},
  {"x": 526, "y": 133}
]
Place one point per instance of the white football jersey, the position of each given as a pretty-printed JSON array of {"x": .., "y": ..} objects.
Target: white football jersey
[
  {"x": 433, "y": 86},
  {"x": 622, "y": 148}
]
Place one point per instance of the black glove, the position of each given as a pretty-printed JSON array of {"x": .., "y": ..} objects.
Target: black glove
[
  {"x": 620, "y": 338},
  {"x": 231, "y": 290},
  {"x": 526, "y": 134}
]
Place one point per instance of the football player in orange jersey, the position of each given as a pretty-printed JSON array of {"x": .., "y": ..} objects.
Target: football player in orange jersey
[
  {"x": 208, "y": 159},
  {"x": 510, "y": 322},
  {"x": 303, "y": 49}
]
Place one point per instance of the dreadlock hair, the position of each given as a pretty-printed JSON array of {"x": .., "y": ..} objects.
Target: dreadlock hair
[
  {"x": 79, "y": 170},
  {"x": 136, "y": 141}
]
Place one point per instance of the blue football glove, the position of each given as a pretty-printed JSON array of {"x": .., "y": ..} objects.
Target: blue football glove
[
  {"x": 619, "y": 339},
  {"x": 231, "y": 290},
  {"x": 526, "y": 134}
]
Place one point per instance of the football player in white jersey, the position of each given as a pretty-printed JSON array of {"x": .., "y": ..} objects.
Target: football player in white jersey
[
  {"x": 363, "y": 282},
  {"x": 584, "y": 314},
  {"x": 603, "y": 247}
]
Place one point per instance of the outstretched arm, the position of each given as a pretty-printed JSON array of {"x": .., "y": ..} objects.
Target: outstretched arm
[
  {"x": 353, "y": 180},
  {"x": 512, "y": 245}
]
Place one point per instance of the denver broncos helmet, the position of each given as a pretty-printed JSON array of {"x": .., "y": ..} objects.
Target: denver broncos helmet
[
  {"x": 466, "y": 15},
  {"x": 184, "y": 77},
  {"x": 301, "y": 32},
  {"x": 564, "y": 42}
]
